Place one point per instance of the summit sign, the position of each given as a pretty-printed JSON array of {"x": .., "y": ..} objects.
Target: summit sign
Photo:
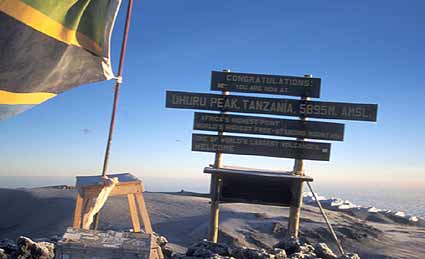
[
  {"x": 265, "y": 84},
  {"x": 274, "y": 106}
]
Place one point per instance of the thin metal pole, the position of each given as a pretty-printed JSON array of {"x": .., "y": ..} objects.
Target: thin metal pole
[
  {"x": 295, "y": 212},
  {"x": 215, "y": 187},
  {"x": 117, "y": 86},
  {"x": 116, "y": 95},
  {"x": 326, "y": 220}
]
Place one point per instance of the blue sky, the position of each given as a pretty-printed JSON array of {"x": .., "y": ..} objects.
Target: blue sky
[{"x": 364, "y": 51}]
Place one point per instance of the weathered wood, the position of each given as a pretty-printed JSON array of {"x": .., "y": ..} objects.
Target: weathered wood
[
  {"x": 78, "y": 211},
  {"x": 215, "y": 208},
  {"x": 133, "y": 212},
  {"x": 257, "y": 187},
  {"x": 144, "y": 213},
  {"x": 120, "y": 189},
  {"x": 274, "y": 106},
  {"x": 265, "y": 84},
  {"x": 90, "y": 244},
  {"x": 131, "y": 187},
  {"x": 295, "y": 209},
  {"x": 215, "y": 189},
  {"x": 261, "y": 147},
  {"x": 268, "y": 126}
]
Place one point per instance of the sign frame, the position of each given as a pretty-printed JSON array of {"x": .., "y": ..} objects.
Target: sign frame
[
  {"x": 272, "y": 106},
  {"x": 265, "y": 84},
  {"x": 280, "y": 148},
  {"x": 256, "y": 125}
]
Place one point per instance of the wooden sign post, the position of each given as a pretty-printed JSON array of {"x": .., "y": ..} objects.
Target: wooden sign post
[
  {"x": 295, "y": 211},
  {"x": 215, "y": 189},
  {"x": 260, "y": 186}
]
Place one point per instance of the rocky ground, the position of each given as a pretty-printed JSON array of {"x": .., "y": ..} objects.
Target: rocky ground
[
  {"x": 183, "y": 219},
  {"x": 25, "y": 248}
]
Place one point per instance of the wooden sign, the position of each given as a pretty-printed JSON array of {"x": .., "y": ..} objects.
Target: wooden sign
[
  {"x": 268, "y": 126},
  {"x": 265, "y": 84},
  {"x": 279, "y": 189},
  {"x": 261, "y": 147},
  {"x": 275, "y": 106}
]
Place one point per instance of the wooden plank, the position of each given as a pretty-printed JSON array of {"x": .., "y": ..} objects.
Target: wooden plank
[
  {"x": 260, "y": 189},
  {"x": 261, "y": 147},
  {"x": 144, "y": 213},
  {"x": 120, "y": 189},
  {"x": 133, "y": 212},
  {"x": 265, "y": 84},
  {"x": 268, "y": 126},
  {"x": 78, "y": 211},
  {"x": 274, "y": 106}
]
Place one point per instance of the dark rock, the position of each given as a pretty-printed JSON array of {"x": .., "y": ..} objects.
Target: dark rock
[
  {"x": 215, "y": 248},
  {"x": 278, "y": 227},
  {"x": 8, "y": 246},
  {"x": 202, "y": 252},
  {"x": 28, "y": 249},
  {"x": 291, "y": 245},
  {"x": 301, "y": 255},
  {"x": 54, "y": 239},
  {"x": 349, "y": 256},
  {"x": 249, "y": 253},
  {"x": 182, "y": 256},
  {"x": 323, "y": 251}
]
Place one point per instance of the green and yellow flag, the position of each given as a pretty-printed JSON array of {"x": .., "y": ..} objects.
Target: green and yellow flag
[{"x": 50, "y": 46}]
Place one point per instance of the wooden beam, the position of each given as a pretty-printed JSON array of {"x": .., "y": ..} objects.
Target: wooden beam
[
  {"x": 144, "y": 213},
  {"x": 78, "y": 210},
  {"x": 133, "y": 212}
]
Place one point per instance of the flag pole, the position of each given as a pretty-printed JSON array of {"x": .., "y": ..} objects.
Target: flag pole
[
  {"x": 117, "y": 86},
  {"x": 116, "y": 95}
]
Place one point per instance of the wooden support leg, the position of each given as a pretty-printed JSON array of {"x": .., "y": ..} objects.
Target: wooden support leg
[
  {"x": 133, "y": 212},
  {"x": 215, "y": 209},
  {"x": 78, "y": 210},
  {"x": 144, "y": 213},
  {"x": 295, "y": 215}
]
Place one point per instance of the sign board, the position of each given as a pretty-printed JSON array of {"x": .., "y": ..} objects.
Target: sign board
[
  {"x": 268, "y": 126},
  {"x": 258, "y": 187},
  {"x": 261, "y": 147},
  {"x": 275, "y": 106},
  {"x": 265, "y": 84}
]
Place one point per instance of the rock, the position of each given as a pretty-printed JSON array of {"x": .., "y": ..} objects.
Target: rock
[
  {"x": 279, "y": 253},
  {"x": 161, "y": 240},
  {"x": 182, "y": 256},
  {"x": 214, "y": 248},
  {"x": 349, "y": 256},
  {"x": 323, "y": 251},
  {"x": 27, "y": 249},
  {"x": 301, "y": 255},
  {"x": 278, "y": 227},
  {"x": 202, "y": 252},
  {"x": 3, "y": 254},
  {"x": 291, "y": 245},
  {"x": 249, "y": 253},
  {"x": 8, "y": 246},
  {"x": 306, "y": 248}
]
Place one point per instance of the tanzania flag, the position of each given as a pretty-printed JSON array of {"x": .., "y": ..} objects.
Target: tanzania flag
[{"x": 49, "y": 46}]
